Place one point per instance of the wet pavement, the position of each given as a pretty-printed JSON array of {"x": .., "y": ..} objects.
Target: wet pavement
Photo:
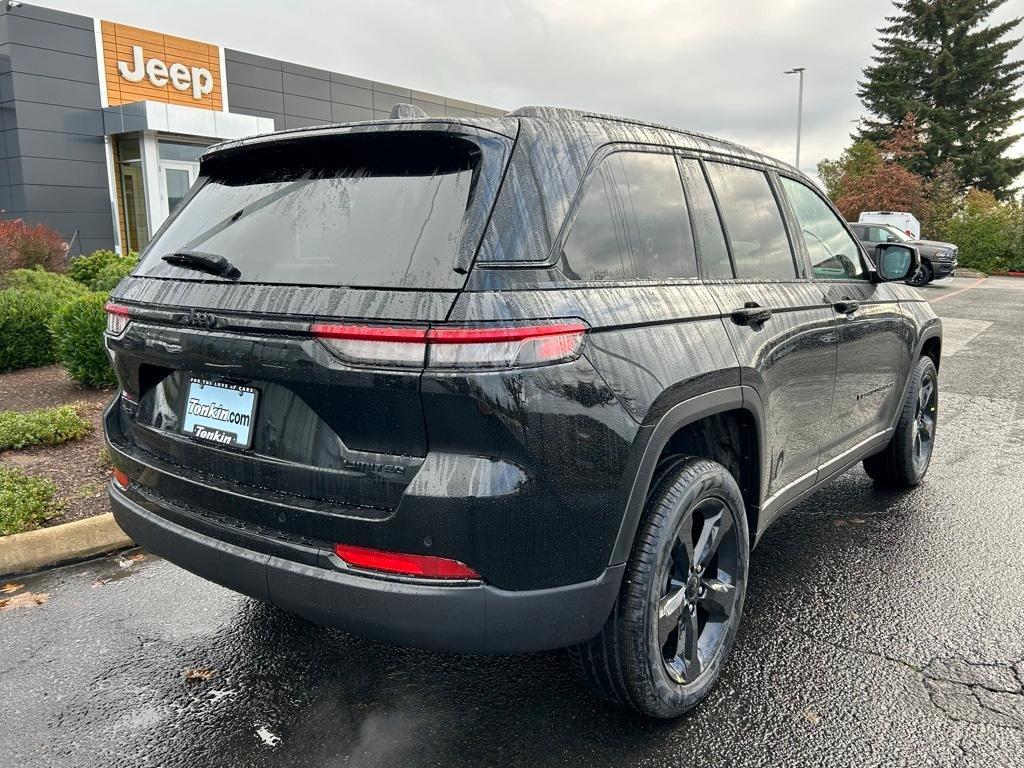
[{"x": 880, "y": 629}]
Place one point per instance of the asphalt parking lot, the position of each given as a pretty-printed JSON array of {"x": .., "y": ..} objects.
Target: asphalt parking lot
[{"x": 880, "y": 629}]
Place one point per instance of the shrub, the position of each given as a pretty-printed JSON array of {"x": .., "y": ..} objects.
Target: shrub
[
  {"x": 984, "y": 231},
  {"x": 38, "y": 279},
  {"x": 46, "y": 426},
  {"x": 25, "y": 501},
  {"x": 113, "y": 273},
  {"x": 99, "y": 268},
  {"x": 25, "y": 246},
  {"x": 25, "y": 339},
  {"x": 77, "y": 329}
]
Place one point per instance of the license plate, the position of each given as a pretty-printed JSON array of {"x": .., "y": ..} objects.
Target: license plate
[{"x": 220, "y": 413}]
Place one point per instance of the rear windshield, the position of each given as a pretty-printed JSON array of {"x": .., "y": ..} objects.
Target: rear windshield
[{"x": 380, "y": 210}]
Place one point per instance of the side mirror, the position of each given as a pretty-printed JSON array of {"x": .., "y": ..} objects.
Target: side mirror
[
  {"x": 896, "y": 261},
  {"x": 892, "y": 239}
]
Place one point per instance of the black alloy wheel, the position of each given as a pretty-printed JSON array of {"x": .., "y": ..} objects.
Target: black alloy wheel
[
  {"x": 699, "y": 594},
  {"x": 663, "y": 647}
]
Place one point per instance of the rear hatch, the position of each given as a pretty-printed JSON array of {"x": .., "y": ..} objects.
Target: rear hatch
[{"x": 226, "y": 382}]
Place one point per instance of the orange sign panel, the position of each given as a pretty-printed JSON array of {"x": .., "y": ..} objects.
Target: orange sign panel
[{"x": 149, "y": 66}]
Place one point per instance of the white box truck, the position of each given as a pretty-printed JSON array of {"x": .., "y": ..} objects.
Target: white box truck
[{"x": 903, "y": 221}]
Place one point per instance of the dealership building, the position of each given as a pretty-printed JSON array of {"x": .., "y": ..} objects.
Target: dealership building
[{"x": 103, "y": 123}]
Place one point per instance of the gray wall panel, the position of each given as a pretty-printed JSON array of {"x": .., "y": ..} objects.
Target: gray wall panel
[
  {"x": 42, "y": 61},
  {"x": 299, "y": 69},
  {"x": 250, "y": 58},
  {"x": 351, "y": 94},
  {"x": 55, "y": 37},
  {"x": 252, "y": 76},
  {"x": 293, "y": 121},
  {"x": 52, "y": 117},
  {"x": 303, "y": 107},
  {"x": 56, "y": 90},
  {"x": 47, "y": 198},
  {"x": 309, "y": 87},
  {"x": 358, "y": 82},
  {"x": 346, "y": 113},
  {"x": 61, "y": 173},
  {"x": 243, "y": 97},
  {"x": 39, "y": 13}
]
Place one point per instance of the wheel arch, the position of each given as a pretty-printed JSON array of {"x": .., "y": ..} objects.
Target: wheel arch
[{"x": 686, "y": 428}]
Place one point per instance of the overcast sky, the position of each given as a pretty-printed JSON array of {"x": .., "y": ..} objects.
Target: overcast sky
[{"x": 709, "y": 65}]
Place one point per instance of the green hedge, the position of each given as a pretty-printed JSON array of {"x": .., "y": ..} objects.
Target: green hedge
[
  {"x": 102, "y": 270},
  {"x": 25, "y": 338},
  {"x": 25, "y": 501},
  {"x": 77, "y": 329},
  {"x": 45, "y": 426},
  {"x": 38, "y": 279}
]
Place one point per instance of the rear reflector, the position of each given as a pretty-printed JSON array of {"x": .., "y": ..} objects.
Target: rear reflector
[
  {"x": 121, "y": 478},
  {"x": 117, "y": 318},
  {"x": 406, "y": 565},
  {"x": 453, "y": 347}
]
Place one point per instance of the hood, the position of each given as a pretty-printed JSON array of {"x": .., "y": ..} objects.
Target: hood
[{"x": 935, "y": 244}]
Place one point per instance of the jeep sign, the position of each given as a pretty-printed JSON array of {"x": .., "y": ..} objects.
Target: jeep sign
[
  {"x": 143, "y": 65},
  {"x": 199, "y": 79}
]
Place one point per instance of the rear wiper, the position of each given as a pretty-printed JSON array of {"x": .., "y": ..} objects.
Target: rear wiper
[{"x": 213, "y": 263}]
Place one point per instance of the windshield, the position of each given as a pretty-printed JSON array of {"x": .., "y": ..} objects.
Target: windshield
[
  {"x": 901, "y": 236},
  {"x": 371, "y": 210}
]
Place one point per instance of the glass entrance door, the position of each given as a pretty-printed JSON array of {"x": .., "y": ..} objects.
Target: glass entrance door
[{"x": 176, "y": 177}]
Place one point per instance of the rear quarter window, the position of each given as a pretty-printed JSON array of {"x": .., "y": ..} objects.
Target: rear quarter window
[{"x": 632, "y": 222}]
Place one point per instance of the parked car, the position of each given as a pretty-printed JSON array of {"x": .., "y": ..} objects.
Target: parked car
[
  {"x": 500, "y": 385},
  {"x": 938, "y": 259},
  {"x": 904, "y": 221}
]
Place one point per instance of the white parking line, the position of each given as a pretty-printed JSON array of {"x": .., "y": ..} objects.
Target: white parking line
[
  {"x": 945, "y": 296},
  {"x": 958, "y": 332}
]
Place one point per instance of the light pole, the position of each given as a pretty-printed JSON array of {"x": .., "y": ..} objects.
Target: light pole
[{"x": 799, "y": 108}]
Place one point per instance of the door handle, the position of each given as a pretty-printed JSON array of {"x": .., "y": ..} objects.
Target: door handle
[
  {"x": 751, "y": 314},
  {"x": 846, "y": 307}
]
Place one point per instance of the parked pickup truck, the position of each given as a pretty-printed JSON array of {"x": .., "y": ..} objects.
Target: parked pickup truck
[{"x": 938, "y": 259}]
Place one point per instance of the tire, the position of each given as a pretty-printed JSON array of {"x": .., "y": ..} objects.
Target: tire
[
  {"x": 904, "y": 461},
  {"x": 654, "y": 654},
  {"x": 923, "y": 276}
]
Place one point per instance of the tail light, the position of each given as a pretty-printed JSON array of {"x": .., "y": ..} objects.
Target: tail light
[
  {"x": 117, "y": 318},
  {"x": 425, "y": 566},
  {"x": 120, "y": 478},
  {"x": 445, "y": 347}
]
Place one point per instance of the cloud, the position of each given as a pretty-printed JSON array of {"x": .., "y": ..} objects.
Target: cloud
[{"x": 702, "y": 64}]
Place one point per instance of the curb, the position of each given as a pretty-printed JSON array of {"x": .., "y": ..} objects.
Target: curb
[
  {"x": 962, "y": 272},
  {"x": 77, "y": 540}
]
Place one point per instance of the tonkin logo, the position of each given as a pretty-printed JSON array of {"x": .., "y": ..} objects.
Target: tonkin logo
[{"x": 199, "y": 79}]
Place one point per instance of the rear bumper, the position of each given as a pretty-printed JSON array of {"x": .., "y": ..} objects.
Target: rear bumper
[{"x": 468, "y": 618}]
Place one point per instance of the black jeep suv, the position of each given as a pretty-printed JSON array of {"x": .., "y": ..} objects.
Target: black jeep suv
[{"x": 504, "y": 385}]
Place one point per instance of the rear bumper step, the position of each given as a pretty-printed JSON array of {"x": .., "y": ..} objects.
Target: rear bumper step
[{"x": 472, "y": 618}]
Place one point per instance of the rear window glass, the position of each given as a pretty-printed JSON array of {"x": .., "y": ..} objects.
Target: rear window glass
[
  {"x": 368, "y": 210},
  {"x": 760, "y": 247}
]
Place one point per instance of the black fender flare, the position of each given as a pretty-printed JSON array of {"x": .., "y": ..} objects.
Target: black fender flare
[{"x": 679, "y": 415}]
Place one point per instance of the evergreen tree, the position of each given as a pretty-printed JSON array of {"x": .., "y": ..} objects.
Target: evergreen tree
[{"x": 939, "y": 60}]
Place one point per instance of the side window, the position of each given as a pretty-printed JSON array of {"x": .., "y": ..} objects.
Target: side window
[
  {"x": 753, "y": 223},
  {"x": 834, "y": 254},
  {"x": 707, "y": 229},
  {"x": 632, "y": 222}
]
